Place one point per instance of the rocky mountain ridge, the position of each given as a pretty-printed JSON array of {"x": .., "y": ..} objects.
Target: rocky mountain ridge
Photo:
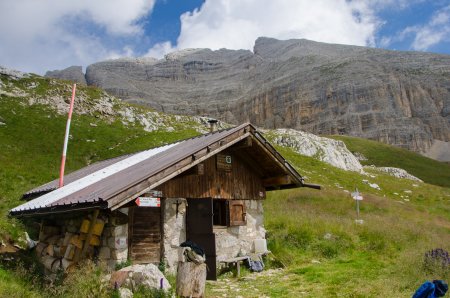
[{"x": 400, "y": 98}]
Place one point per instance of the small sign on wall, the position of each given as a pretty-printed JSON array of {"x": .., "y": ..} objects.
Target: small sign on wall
[
  {"x": 121, "y": 242},
  {"x": 148, "y": 202},
  {"x": 224, "y": 162}
]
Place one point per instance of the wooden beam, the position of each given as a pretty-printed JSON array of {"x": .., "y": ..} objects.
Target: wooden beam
[{"x": 280, "y": 180}]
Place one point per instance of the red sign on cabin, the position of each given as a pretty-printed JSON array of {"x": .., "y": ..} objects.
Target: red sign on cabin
[{"x": 148, "y": 202}]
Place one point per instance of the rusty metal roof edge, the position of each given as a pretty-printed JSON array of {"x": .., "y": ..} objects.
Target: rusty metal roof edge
[
  {"x": 41, "y": 210},
  {"x": 59, "y": 209}
]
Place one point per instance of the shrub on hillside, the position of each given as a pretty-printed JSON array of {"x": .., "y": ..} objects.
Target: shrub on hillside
[
  {"x": 87, "y": 280},
  {"x": 437, "y": 260}
]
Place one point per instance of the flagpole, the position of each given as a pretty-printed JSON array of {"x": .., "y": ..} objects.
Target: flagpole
[{"x": 66, "y": 138}]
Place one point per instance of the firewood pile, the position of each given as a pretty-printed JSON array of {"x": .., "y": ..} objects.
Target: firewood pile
[{"x": 61, "y": 251}]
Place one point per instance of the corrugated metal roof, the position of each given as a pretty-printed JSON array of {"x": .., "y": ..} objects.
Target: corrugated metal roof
[
  {"x": 123, "y": 173},
  {"x": 49, "y": 199},
  {"x": 69, "y": 178}
]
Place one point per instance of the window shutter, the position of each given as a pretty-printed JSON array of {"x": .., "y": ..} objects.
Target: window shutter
[{"x": 237, "y": 213}]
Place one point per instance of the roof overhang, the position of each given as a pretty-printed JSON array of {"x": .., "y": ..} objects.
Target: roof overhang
[{"x": 119, "y": 188}]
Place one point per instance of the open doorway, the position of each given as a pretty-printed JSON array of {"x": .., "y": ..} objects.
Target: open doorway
[{"x": 199, "y": 229}]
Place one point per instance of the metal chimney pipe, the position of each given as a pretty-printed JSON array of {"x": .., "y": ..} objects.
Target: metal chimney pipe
[{"x": 212, "y": 124}]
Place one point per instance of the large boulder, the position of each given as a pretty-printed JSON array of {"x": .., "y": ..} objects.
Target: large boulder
[
  {"x": 331, "y": 151},
  {"x": 147, "y": 275}
]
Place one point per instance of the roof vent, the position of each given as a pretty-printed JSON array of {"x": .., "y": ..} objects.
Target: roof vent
[{"x": 212, "y": 124}]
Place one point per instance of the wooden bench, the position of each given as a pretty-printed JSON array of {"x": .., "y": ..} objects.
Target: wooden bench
[{"x": 235, "y": 261}]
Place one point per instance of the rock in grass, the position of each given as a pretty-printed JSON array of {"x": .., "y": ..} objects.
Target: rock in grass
[
  {"x": 398, "y": 173},
  {"x": 125, "y": 293},
  {"x": 147, "y": 275}
]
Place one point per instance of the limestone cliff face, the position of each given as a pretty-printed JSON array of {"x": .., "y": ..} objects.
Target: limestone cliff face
[{"x": 400, "y": 98}]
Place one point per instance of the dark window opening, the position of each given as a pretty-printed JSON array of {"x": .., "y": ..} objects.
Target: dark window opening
[
  {"x": 220, "y": 213},
  {"x": 229, "y": 213}
]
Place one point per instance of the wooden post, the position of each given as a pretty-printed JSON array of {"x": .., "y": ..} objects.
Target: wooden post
[
  {"x": 88, "y": 237},
  {"x": 191, "y": 279}
]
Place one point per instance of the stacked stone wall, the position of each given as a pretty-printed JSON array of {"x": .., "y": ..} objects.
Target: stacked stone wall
[
  {"x": 230, "y": 241},
  {"x": 114, "y": 245},
  {"x": 238, "y": 240},
  {"x": 174, "y": 231}
]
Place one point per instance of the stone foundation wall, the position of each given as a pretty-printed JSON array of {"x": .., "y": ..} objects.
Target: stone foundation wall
[
  {"x": 174, "y": 231},
  {"x": 230, "y": 241},
  {"x": 114, "y": 242},
  {"x": 238, "y": 240}
]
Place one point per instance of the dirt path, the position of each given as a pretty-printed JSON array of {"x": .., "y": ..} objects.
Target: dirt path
[{"x": 261, "y": 284}]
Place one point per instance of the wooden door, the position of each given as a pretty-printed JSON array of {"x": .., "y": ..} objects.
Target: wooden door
[
  {"x": 145, "y": 235},
  {"x": 199, "y": 229}
]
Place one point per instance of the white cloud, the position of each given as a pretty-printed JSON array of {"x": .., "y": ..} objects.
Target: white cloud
[
  {"x": 160, "y": 49},
  {"x": 32, "y": 31},
  {"x": 236, "y": 24},
  {"x": 435, "y": 31}
]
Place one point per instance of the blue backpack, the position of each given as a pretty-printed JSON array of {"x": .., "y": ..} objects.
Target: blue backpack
[{"x": 429, "y": 289}]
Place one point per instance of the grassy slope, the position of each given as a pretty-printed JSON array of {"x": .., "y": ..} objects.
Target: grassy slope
[
  {"x": 326, "y": 254},
  {"x": 382, "y": 257},
  {"x": 383, "y": 155}
]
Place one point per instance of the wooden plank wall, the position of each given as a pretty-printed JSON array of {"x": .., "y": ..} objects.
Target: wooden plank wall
[{"x": 239, "y": 183}]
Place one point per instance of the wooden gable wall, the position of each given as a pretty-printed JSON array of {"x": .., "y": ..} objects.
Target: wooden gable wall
[{"x": 215, "y": 178}]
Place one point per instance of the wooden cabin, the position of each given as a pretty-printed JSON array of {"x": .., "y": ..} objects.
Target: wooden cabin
[{"x": 208, "y": 189}]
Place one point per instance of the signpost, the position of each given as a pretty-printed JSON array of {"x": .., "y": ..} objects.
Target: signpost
[
  {"x": 357, "y": 197},
  {"x": 152, "y": 198}
]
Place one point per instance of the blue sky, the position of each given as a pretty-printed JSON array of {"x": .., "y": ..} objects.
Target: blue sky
[{"x": 36, "y": 36}]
